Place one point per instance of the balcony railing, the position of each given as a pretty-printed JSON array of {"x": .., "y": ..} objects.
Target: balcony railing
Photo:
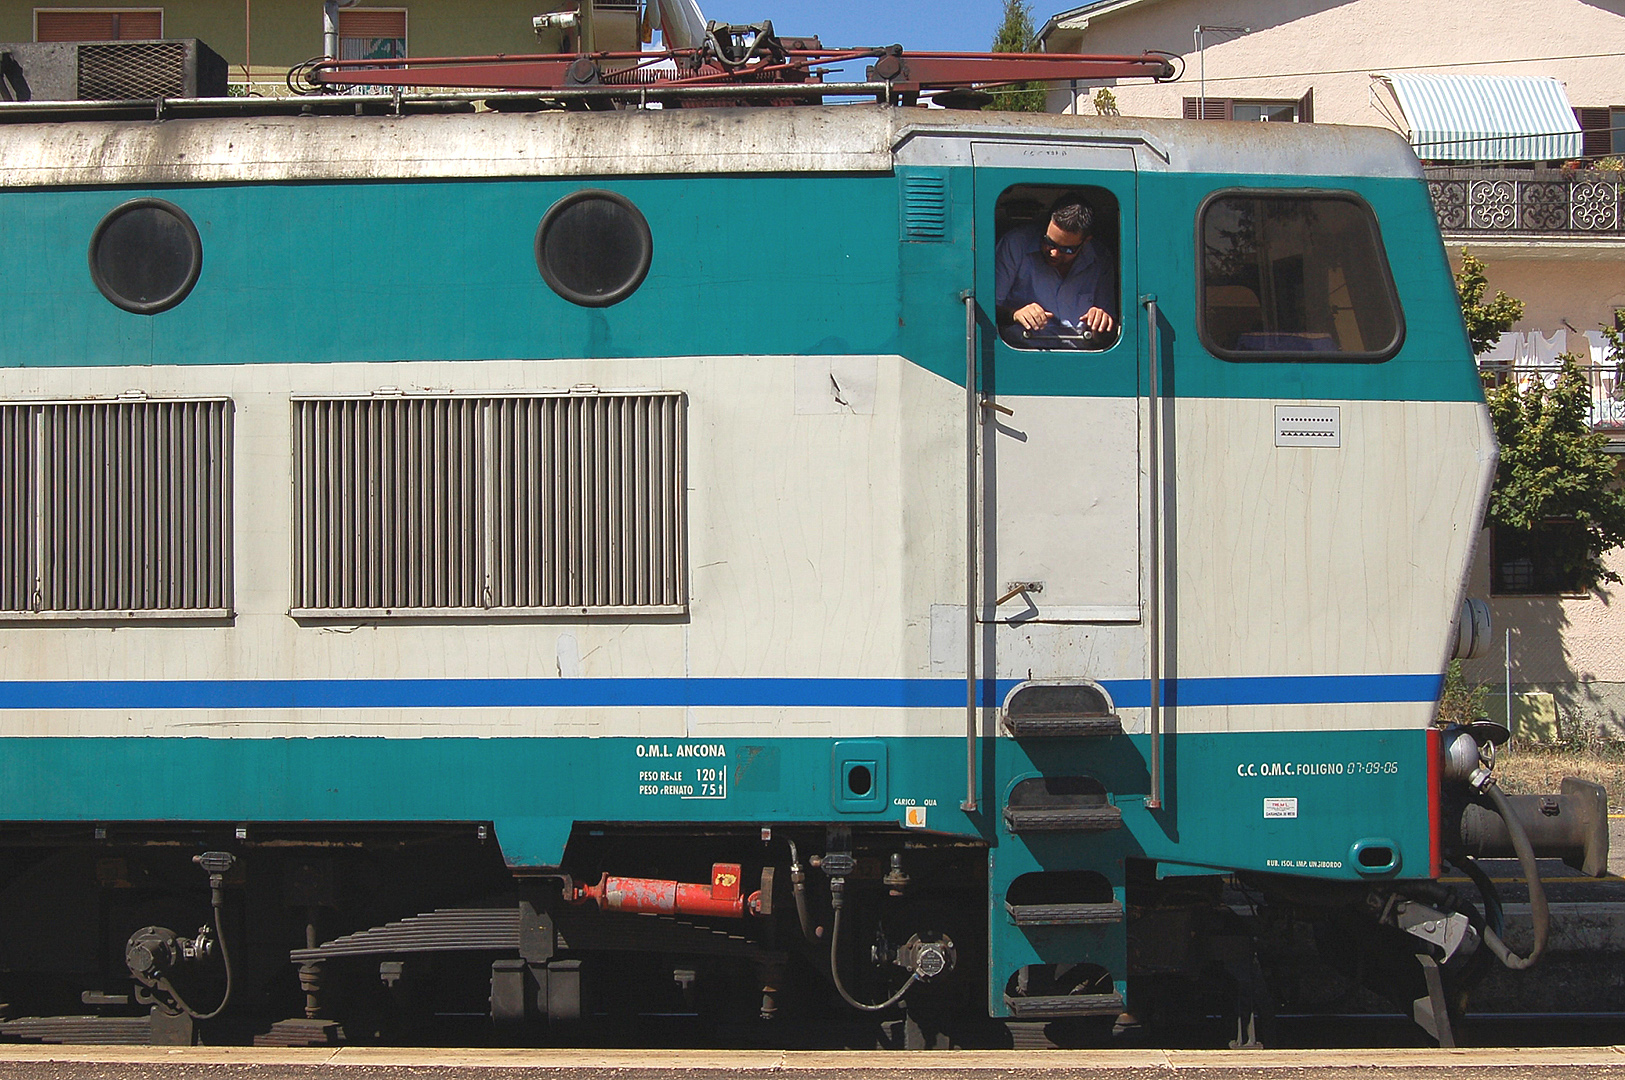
[
  {"x": 1528, "y": 358},
  {"x": 1529, "y": 202}
]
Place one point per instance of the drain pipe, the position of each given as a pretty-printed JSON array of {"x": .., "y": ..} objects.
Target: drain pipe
[
  {"x": 330, "y": 26},
  {"x": 973, "y": 418}
]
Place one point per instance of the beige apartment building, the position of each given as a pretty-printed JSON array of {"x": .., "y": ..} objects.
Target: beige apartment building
[{"x": 1549, "y": 223}]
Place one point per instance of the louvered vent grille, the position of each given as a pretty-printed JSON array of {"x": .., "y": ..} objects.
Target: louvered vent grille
[
  {"x": 115, "y": 508},
  {"x": 925, "y": 206},
  {"x": 139, "y": 69},
  {"x": 474, "y": 504}
]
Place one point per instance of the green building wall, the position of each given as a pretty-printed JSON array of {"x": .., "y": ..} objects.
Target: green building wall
[{"x": 274, "y": 35}]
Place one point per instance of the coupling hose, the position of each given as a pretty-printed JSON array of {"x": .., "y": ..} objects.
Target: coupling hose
[
  {"x": 835, "y": 972},
  {"x": 225, "y": 957},
  {"x": 1539, "y": 912}
]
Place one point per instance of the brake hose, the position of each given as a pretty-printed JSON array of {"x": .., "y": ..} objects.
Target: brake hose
[
  {"x": 225, "y": 957},
  {"x": 1539, "y": 912},
  {"x": 1493, "y": 915},
  {"x": 835, "y": 969}
]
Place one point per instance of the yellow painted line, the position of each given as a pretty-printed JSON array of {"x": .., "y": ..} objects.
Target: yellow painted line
[{"x": 846, "y": 1062}]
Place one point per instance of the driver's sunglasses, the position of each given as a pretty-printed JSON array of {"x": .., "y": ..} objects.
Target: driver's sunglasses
[{"x": 1064, "y": 249}]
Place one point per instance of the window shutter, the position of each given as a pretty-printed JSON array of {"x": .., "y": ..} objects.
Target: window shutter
[
  {"x": 1210, "y": 109},
  {"x": 98, "y": 25},
  {"x": 1596, "y": 139},
  {"x": 1306, "y": 107},
  {"x": 371, "y": 23}
]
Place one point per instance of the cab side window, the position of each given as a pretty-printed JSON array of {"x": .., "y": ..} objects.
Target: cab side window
[
  {"x": 1293, "y": 276},
  {"x": 1056, "y": 267}
]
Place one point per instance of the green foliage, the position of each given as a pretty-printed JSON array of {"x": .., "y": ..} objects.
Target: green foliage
[
  {"x": 1106, "y": 102},
  {"x": 1556, "y": 488},
  {"x": 1485, "y": 322},
  {"x": 1015, "y": 35},
  {"x": 1556, "y": 484},
  {"x": 1460, "y": 702}
]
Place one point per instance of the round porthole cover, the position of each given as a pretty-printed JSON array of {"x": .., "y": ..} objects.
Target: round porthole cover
[
  {"x": 145, "y": 255},
  {"x": 594, "y": 248}
]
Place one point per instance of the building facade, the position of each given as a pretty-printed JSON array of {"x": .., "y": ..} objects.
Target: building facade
[{"x": 262, "y": 39}]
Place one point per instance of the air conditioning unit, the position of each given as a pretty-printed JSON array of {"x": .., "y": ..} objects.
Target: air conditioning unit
[{"x": 110, "y": 70}]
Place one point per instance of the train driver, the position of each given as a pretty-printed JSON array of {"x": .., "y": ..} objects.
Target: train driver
[{"x": 1054, "y": 283}]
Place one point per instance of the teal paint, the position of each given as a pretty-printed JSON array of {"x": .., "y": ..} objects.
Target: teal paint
[
  {"x": 1349, "y": 785},
  {"x": 743, "y": 265},
  {"x": 445, "y": 270}
]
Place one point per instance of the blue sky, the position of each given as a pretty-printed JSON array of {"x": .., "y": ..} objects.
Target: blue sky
[{"x": 926, "y": 25}]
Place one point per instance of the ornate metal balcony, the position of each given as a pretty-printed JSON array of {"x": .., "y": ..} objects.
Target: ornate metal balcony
[{"x": 1587, "y": 204}]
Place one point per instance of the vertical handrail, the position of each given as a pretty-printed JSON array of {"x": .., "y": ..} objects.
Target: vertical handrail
[
  {"x": 973, "y": 419},
  {"x": 1153, "y": 611}
]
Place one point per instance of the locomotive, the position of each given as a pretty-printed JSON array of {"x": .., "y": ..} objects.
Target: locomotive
[{"x": 552, "y": 565}]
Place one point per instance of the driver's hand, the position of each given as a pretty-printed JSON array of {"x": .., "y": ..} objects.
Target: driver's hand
[
  {"x": 1031, "y": 317},
  {"x": 1098, "y": 321}
]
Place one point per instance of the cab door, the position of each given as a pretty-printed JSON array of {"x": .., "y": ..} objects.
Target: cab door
[{"x": 1061, "y": 433}]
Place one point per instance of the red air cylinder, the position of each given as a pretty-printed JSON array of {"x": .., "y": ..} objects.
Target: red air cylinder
[{"x": 649, "y": 896}]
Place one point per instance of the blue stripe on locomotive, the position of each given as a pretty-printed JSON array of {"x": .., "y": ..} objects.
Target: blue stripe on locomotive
[{"x": 776, "y": 693}]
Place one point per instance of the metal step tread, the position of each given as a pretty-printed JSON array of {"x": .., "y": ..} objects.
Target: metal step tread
[
  {"x": 1065, "y": 914},
  {"x": 1051, "y": 727},
  {"x": 1065, "y": 1005},
  {"x": 91, "y": 1030},
  {"x": 1063, "y": 818},
  {"x": 497, "y": 930}
]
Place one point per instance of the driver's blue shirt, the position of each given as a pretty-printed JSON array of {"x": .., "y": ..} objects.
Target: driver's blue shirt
[{"x": 1023, "y": 276}]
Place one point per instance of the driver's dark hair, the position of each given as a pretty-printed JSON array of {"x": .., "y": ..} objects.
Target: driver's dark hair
[{"x": 1072, "y": 214}]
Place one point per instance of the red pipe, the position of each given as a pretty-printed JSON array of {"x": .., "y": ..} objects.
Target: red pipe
[{"x": 722, "y": 898}]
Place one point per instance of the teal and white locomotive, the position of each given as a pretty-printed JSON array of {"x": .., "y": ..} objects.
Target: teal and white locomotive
[{"x": 556, "y": 564}]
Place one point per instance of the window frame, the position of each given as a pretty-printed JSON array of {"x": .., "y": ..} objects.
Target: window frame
[
  {"x": 1498, "y": 589},
  {"x": 1251, "y": 356},
  {"x": 194, "y": 243},
  {"x": 1092, "y": 191},
  {"x": 1224, "y": 108},
  {"x": 405, "y": 39}
]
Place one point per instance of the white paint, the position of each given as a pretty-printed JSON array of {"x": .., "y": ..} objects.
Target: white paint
[
  {"x": 1066, "y": 512},
  {"x": 840, "y": 385},
  {"x": 827, "y": 546},
  {"x": 568, "y": 655}
]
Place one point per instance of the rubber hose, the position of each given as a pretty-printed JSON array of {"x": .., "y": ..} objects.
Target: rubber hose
[
  {"x": 1539, "y": 912},
  {"x": 1493, "y": 915},
  {"x": 225, "y": 957},
  {"x": 798, "y": 889},
  {"x": 835, "y": 973}
]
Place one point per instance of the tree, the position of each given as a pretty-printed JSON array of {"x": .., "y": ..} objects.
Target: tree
[
  {"x": 1015, "y": 35},
  {"x": 1555, "y": 487},
  {"x": 1556, "y": 493},
  {"x": 1485, "y": 322}
]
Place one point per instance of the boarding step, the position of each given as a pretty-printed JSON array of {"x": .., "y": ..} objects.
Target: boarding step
[
  {"x": 1065, "y": 914},
  {"x": 1061, "y": 804},
  {"x": 1063, "y": 819},
  {"x": 1060, "y": 709},
  {"x": 1064, "y": 1005}
]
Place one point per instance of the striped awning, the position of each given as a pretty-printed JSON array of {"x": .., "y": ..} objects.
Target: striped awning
[{"x": 1486, "y": 117}]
